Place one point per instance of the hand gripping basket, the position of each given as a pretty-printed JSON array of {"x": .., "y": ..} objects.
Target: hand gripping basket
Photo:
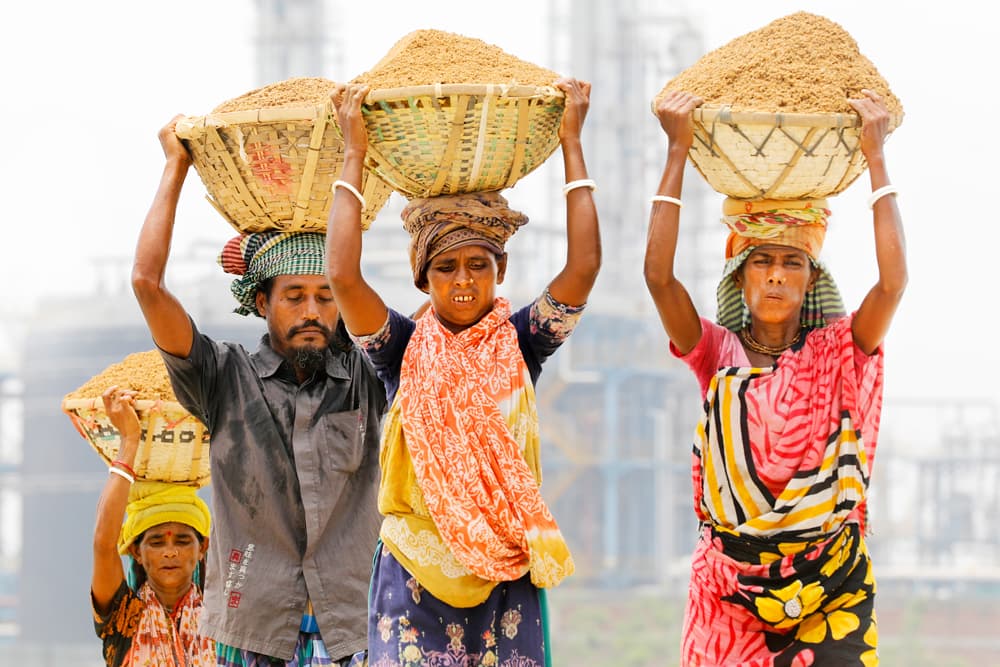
[
  {"x": 452, "y": 138},
  {"x": 173, "y": 446},
  {"x": 755, "y": 155},
  {"x": 273, "y": 169}
]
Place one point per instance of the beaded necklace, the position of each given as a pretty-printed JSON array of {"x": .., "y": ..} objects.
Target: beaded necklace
[{"x": 760, "y": 348}]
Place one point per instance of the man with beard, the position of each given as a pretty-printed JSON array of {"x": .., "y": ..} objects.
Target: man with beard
[{"x": 294, "y": 453}]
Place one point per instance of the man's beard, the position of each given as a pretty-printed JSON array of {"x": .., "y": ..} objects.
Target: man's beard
[{"x": 307, "y": 359}]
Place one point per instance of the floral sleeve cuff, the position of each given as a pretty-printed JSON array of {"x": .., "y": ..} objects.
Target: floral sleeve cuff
[
  {"x": 374, "y": 341},
  {"x": 556, "y": 319}
]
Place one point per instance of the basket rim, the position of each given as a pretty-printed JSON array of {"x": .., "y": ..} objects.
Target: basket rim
[
  {"x": 516, "y": 90},
  {"x": 98, "y": 404},
  {"x": 191, "y": 127},
  {"x": 723, "y": 113}
]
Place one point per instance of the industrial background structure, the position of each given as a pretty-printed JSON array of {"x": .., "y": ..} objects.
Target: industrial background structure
[{"x": 617, "y": 412}]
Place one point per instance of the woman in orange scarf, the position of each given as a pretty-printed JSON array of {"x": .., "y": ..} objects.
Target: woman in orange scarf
[
  {"x": 792, "y": 391},
  {"x": 467, "y": 542}
]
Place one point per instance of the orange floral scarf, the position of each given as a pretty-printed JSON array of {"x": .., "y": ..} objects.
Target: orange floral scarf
[
  {"x": 475, "y": 482},
  {"x": 156, "y": 643}
]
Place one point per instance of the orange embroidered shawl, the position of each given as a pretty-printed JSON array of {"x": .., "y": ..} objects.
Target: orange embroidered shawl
[{"x": 472, "y": 479}]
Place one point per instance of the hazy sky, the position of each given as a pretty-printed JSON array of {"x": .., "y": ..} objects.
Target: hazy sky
[{"x": 89, "y": 84}]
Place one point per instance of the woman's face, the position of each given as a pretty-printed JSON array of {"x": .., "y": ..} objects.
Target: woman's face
[
  {"x": 774, "y": 280},
  {"x": 462, "y": 285},
  {"x": 169, "y": 552}
]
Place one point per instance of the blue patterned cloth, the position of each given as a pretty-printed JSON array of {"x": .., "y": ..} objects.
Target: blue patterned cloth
[{"x": 409, "y": 627}]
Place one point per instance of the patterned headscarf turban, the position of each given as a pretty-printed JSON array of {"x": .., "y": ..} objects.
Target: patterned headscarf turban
[
  {"x": 799, "y": 224},
  {"x": 257, "y": 257},
  {"x": 439, "y": 224},
  {"x": 153, "y": 503}
]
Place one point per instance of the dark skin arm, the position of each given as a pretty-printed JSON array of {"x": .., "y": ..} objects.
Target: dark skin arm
[
  {"x": 872, "y": 320},
  {"x": 108, "y": 573},
  {"x": 674, "y": 305},
  {"x": 361, "y": 307},
  {"x": 677, "y": 312},
  {"x": 166, "y": 318},
  {"x": 573, "y": 283}
]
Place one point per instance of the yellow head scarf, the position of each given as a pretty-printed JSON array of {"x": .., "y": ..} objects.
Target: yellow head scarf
[
  {"x": 797, "y": 223},
  {"x": 153, "y": 503}
]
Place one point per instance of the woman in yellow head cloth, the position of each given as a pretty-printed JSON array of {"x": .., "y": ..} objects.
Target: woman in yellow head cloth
[
  {"x": 792, "y": 389},
  {"x": 166, "y": 536}
]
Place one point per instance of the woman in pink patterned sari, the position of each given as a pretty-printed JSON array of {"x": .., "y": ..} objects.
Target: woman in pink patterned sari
[{"x": 792, "y": 392}]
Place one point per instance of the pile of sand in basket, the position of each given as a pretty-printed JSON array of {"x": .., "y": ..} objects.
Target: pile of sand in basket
[
  {"x": 800, "y": 63},
  {"x": 142, "y": 372},
  {"x": 426, "y": 57}
]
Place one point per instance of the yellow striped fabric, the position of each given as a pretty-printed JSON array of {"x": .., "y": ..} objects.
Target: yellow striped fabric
[{"x": 814, "y": 502}]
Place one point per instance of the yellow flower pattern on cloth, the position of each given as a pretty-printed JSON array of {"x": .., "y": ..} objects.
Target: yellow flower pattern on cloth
[
  {"x": 816, "y": 597},
  {"x": 870, "y": 658},
  {"x": 833, "y": 619},
  {"x": 784, "y": 549},
  {"x": 787, "y": 606},
  {"x": 840, "y": 552}
]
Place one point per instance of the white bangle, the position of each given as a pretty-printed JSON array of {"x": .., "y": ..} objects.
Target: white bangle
[
  {"x": 121, "y": 473},
  {"x": 881, "y": 192},
  {"x": 582, "y": 183},
  {"x": 353, "y": 190},
  {"x": 666, "y": 198}
]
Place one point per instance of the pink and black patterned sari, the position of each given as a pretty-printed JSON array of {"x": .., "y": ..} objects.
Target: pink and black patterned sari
[{"x": 781, "y": 463}]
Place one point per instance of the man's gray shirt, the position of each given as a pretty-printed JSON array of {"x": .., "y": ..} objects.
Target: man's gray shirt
[{"x": 294, "y": 486}]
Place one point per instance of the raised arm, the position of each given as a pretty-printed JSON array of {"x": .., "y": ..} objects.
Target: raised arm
[
  {"x": 874, "y": 316},
  {"x": 361, "y": 308},
  {"x": 573, "y": 283},
  {"x": 673, "y": 303},
  {"x": 108, "y": 573},
  {"x": 166, "y": 318}
]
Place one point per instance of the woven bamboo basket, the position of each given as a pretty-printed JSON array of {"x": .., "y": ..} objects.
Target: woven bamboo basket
[
  {"x": 757, "y": 155},
  {"x": 452, "y": 138},
  {"x": 173, "y": 446},
  {"x": 273, "y": 169}
]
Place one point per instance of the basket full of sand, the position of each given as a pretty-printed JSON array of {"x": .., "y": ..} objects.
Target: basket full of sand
[
  {"x": 269, "y": 158},
  {"x": 448, "y": 114},
  {"x": 776, "y": 123},
  {"x": 174, "y": 443}
]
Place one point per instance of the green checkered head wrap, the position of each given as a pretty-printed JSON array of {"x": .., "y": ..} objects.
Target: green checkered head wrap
[
  {"x": 798, "y": 224},
  {"x": 257, "y": 257},
  {"x": 822, "y": 305}
]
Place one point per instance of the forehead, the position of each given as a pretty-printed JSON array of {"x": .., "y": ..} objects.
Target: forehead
[
  {"x": 775, "y": 250},
  {"x": 171, "y": 527},
  {"x": 311, "y": 282},
  {"x": 471, "y": 251}
]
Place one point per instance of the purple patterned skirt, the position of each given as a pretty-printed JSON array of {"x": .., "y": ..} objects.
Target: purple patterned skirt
[{"x": 407, "y": 626}]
